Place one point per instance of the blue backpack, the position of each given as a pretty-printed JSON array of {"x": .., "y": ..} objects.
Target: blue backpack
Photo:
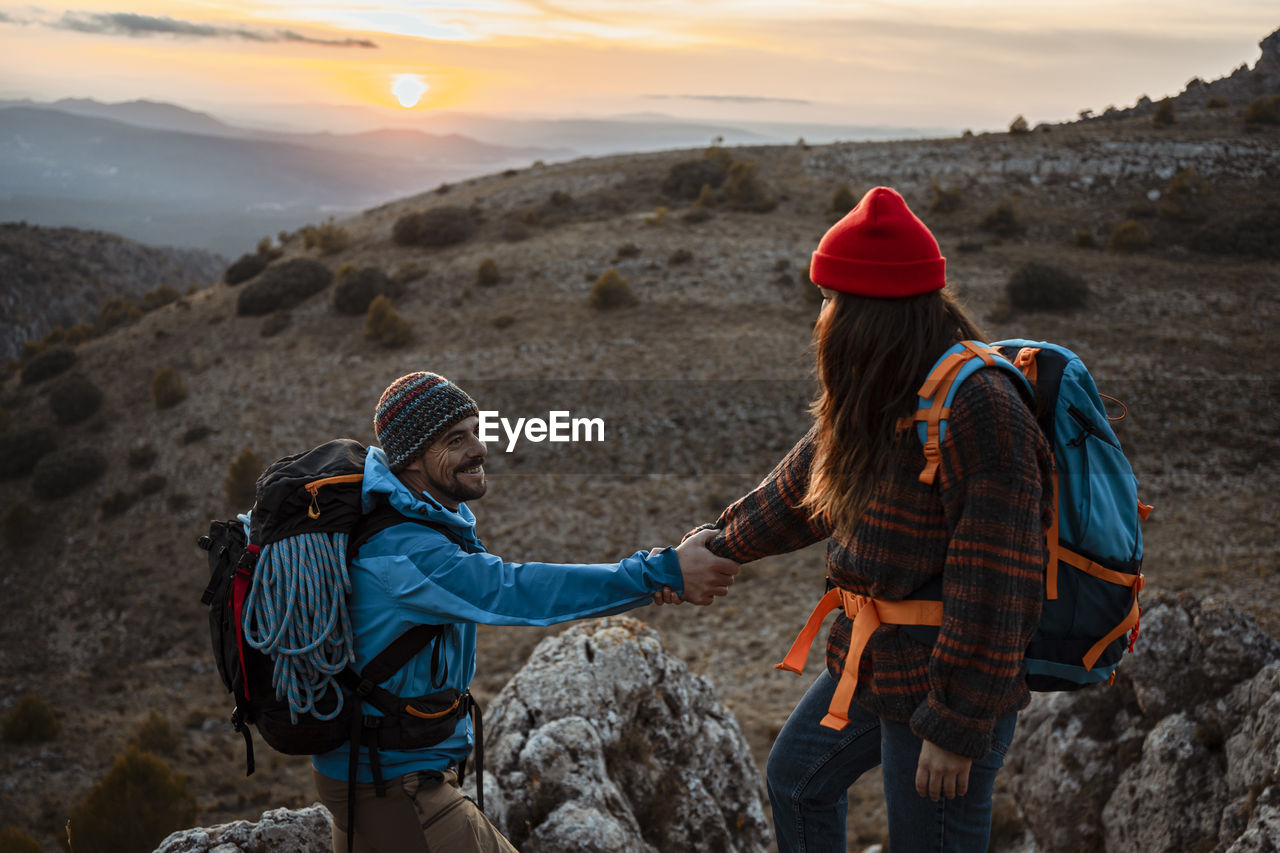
[{"x": 1094, "y": 572}]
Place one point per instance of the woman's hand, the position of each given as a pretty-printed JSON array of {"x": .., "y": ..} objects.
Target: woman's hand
[
  {"x": 941, "y": 773},
  {"x": 705, "y": 575}
]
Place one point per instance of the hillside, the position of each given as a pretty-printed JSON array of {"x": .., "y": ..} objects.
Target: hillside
[{"x": 702, "y": 385}]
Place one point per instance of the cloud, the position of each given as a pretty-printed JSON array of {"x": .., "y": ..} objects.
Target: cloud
[
  {"x": 131, "y": 24},
  {"x": 732, "y": 99}
]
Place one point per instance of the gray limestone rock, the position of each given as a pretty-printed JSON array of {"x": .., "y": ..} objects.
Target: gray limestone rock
[{"x": 308, "y": 830}]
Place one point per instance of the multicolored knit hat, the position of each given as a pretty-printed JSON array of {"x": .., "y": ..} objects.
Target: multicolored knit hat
[
  {"x": 879, "y": 249},
  {"x": 414, "y": 411}
]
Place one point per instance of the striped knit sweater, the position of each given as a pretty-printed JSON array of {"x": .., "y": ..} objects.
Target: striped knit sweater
[{"x": 980, "y": 527}]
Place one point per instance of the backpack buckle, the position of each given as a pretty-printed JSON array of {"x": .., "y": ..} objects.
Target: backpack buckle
[{"x": 364, "y": 688}]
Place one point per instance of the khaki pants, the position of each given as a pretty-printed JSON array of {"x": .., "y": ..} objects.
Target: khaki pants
[{"x": 417, "y": 814}]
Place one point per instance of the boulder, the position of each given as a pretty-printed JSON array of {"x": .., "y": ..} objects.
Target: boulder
[
  {"x": 605, "y": 742},
  {"x": 308, "y": 830}
]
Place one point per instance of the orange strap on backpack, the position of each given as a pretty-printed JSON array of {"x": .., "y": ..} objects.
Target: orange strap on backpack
[{"x": 867, "y": 614}]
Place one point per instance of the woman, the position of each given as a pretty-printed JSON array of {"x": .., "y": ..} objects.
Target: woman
[{"x": 936, "y": 714}]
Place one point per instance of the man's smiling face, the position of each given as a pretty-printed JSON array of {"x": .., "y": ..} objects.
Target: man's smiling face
[{"x": 451, "y": 470}]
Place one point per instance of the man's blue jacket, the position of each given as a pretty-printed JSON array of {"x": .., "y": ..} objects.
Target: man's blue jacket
[{"x": 410, "y": 574}]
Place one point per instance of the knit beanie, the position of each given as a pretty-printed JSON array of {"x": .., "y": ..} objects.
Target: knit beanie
[
  {"x": 879, "y": 249},
  {"x": 414, "y": 411}
]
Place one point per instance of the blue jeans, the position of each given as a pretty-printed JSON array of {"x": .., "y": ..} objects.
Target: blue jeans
[{"x": 811, "y": 768}]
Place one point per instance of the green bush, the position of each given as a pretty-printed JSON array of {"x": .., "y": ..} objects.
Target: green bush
[
  {"x": 487, "y": 273},
  {"x": 1257, "y": 235},
  {"x": 356, "y": 288},
  {"x": 1003, "y": 220},
  {"x": 384, "y": 324},
  {"x": 686, "y": 179},
  {"x": 117, "y": 312},
  {"x": 842, "y": 200},
  {"x": 946, "y": 200},
  {"x": 1185, "y": 198},
  {"x": 1128, "y": 236},
  {"x": 1164, "y": 116},
  {"x": 284, "y": 284},
  {"x": 21, "y": 449},
  {"x": 439, "y": 226},
  {"x": 742, "y": 190},
  {"x": 47, "y": 364},
  {"x": 1042, "y": 287},
  {"x": 241, "y": 483},
  {"x": 328, "y": 238},
  {"x": 74, "y": 398},
  {"x": 1265, "y": 110},
  {"x": 167, "y": 388},
  {"x": 57, "y": 475},
  {"x": 156, "y": 735},
  {"x": 138, "y": 802},
  {"x": 18, "y": 525},
  {"x": 160, "y": 297},
  {"x": 14, "y": 840},
  {"x": 244, "y": 268},
  {"x": 31, "y": 720},
  {"x": 611, "y": 290}
]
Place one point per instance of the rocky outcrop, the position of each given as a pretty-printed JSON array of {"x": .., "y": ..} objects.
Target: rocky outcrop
[
  {"x": 605, "y": 742},
  {"x": 1182, "y": 753},
  {"x": 308, "y": 830}
]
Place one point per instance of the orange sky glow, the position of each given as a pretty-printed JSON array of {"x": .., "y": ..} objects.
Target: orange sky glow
[{"x": 912, "y": 62}]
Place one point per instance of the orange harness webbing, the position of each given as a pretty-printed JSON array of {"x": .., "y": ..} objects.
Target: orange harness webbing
[{"x": 867, "y": 614}]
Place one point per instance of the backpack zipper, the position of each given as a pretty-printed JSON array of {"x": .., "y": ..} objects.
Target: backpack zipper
[{"x": 313, "y": 511}]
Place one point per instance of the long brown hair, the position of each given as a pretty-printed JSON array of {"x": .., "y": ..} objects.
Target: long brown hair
[{"x": 872, "y": 357}]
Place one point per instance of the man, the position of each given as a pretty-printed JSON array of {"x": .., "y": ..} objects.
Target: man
[{"x": 431, "y": 462}]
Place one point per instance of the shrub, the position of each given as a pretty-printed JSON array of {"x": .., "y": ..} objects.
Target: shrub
[
  {"x": 57, "y": 475},
  {"x": 328, "y": 237},
  {"x": 1185, "y": 197},
  {"x": 1256, "y": 236},
  {"x": 138, "y": 802},
  {"x": 706, "y": 198},
  {"x": 1265, "y": 110},
  {"x": 167, "y": 388},
  {"x": 946, "y": 200},
  {"x": 199, "y": 432},
  {"x": 680, "y": 256},
  {"x": 514, "y": 230},
  {"x": 611, "y": 290},
  {"x": 284, "y": 284},
  {"x": 241, "y": 483},
  {"x": 1141, "y": 210},
  {"x": 270, "y": 252},
  {"x": 1041, "y": 287},
  {"x": 1003, "y": 221},
  {"x": 1085, "y": 239},
  {"x": 658, "y": 218},
  {"x": 384, "y": 324},
  {"x": 18, "y": 525},
  {"x": 160, "y": 297},
  {"x": 47, "y": 364},
  {"x": 686, "y": 179},
  {"x": 274, "y": 324},
  {"x": 1019, "y": 125},
  {"x": 244, "y": 268},
  {"x": 696, "y": 216},
  {"x": 1163, "y": 116},
  {"x": 627, "y": 250},
  {"x": 117, "y": 502},
  {"x": 718, "y": 154},
  {"x": 1216, "y": 103},
  {"x": 141, "y": 457},
  {"x": 439, "y": 226},
  {"x": 156, "y": 735},
  {"x": 30, "y": 720},
  {"x": 117, "y": 312},
  {"x": 742, "y": 190},
  {"x": 151, "y": 484},
  {"x": 14, "y": 840},
  {"x": 1128, "y": 236},
  {"x": 487, "y": 273},
  {"x": 21, "y": 449},
  {"x": 74, "y": 398},
  {"x": 356, "y": 288},
  {"x": 842, "y": 200}
]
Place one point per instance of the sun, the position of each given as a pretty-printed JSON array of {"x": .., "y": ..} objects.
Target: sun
[{"x": 408, "y": 89}]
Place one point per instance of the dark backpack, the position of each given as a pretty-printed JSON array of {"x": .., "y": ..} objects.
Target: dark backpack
[{"x": 306, "y": 525}]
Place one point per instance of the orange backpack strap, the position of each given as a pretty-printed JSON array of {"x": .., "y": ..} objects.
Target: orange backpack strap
[
  {"x": 935, "y": 394},
  {"x": 867, "y": 614}
]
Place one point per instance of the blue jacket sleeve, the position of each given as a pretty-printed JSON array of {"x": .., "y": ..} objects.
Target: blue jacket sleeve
[{"x": 438, "y": 582}]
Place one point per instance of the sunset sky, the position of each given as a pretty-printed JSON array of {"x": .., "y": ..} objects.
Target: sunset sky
[{"x": 962, "y": 63}]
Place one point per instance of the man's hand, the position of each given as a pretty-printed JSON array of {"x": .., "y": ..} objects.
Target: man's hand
[
  {"x": 941, "y": 773},
  {"x": 705, "y": 575}
]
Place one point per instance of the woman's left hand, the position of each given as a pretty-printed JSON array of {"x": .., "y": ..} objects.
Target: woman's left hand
[{"x": 941, "y": 773}]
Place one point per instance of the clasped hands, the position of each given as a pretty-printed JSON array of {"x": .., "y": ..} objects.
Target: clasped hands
[{"x": 705, "y": 575}]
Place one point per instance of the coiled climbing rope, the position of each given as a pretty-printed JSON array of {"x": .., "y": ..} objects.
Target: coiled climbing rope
[{"x": 296, "y": 613}]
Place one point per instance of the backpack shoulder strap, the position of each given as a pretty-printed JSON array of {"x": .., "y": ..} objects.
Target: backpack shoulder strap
[
  {"x": 383, "y": 516},
  {"x": 939, "y": 390}
]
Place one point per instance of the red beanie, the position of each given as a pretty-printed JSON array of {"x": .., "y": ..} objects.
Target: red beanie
[{"x": 879, "y": 249}]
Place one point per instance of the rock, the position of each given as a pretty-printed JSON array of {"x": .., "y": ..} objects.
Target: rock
[
  {"x": 1263, "y": 833},
  {"x": 1253, "y": 747},
  {"x": 605, "y": 742},
  {"x": 308, "y": 830}
]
